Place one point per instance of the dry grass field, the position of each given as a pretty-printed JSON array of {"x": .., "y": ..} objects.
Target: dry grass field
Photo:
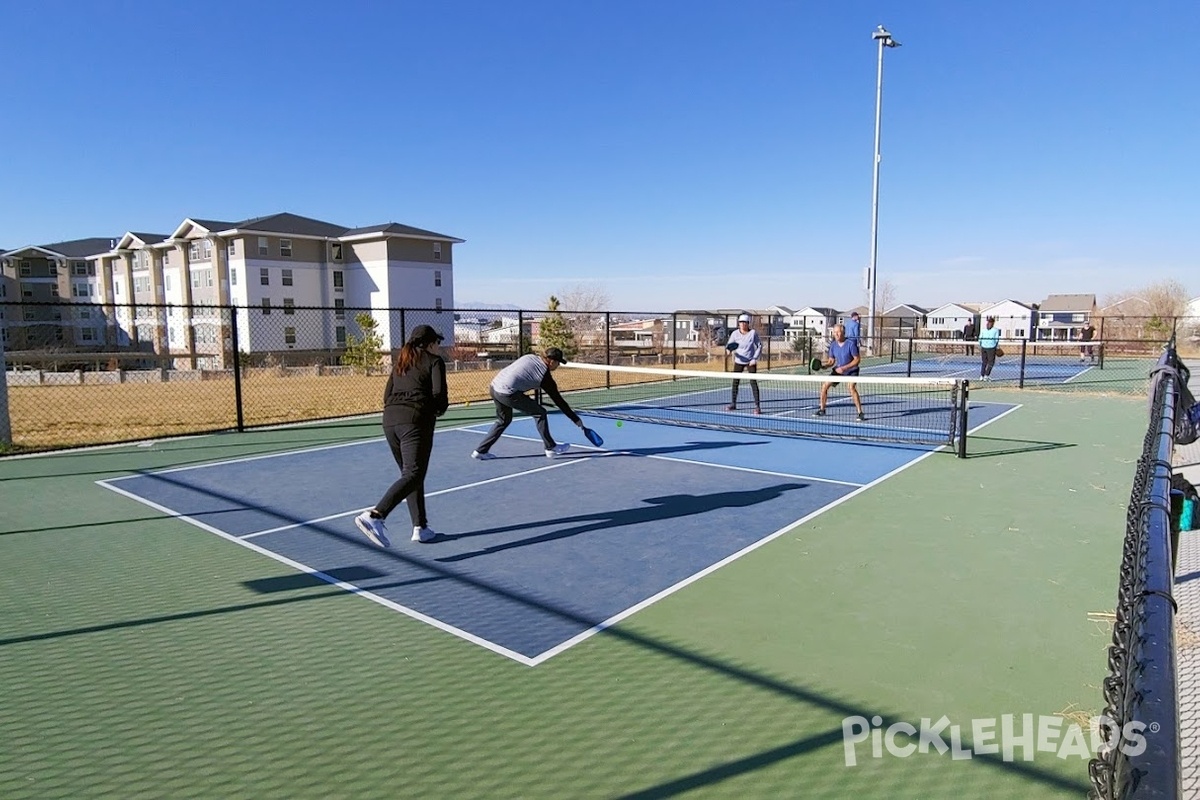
[{"x": 48, "y": 417}]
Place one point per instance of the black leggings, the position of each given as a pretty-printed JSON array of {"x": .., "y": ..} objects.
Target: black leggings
[
  {"x": 505, "y": 403},
  {"x": 753, "y": 384},
  {"x": 412, "y": 445},
  {"x": 988, "y": 354}
]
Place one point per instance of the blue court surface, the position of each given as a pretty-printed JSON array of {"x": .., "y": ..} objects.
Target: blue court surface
[{"x": 535, "y": 554}]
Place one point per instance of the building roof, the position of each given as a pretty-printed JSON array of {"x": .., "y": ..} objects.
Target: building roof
[
  {"x": 291, "y": 223},
  {"x": 74, "y": 248},
  {"x": 396, "y": 229},
  {"x": 1068, "y": 302}
]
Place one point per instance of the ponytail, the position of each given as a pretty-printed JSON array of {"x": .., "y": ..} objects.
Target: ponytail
[{"x": 407, "y": 358}]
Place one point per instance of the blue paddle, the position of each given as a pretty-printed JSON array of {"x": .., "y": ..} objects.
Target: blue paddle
[{"x": 593, "y": 437}]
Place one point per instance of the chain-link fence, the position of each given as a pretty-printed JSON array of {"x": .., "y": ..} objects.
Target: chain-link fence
[
  {"x": 1141, "y": 755},
  {"x": 84, "y": 374}
]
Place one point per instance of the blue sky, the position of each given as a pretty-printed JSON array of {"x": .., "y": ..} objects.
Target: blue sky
[{"x": 669, "y": 153}]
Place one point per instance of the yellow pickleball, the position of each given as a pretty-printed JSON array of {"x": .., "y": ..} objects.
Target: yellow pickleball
[{"x": 620, "y": 423}]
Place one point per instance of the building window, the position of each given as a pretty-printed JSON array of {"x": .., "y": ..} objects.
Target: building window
[
  {"x": 194, "y": 251},
  {"x": 87, "y": 334},
  {"x": 437, "y": 277},
  {"x": 166, "y": 257},
  {"x": 167, "y": 282},
  {"x": 85, "y": 313},
  {"x": 233, "y": 277},
  {"x": 335, "y": 248},
  {"x": 264, "y": 276},
  {"x": 285, "y": 248},
  {"x": 79, "y": 290},
  {"x": 26, "y": 269},
  {"x": 437, "y": 251},
  {"x": 289, "y": 305},
  {"x": 437, "y": 303},
  {"x": 78, "y": 268},
  {"x": 339, "y": 308},
  {"x": 287, "y": 277},
  {"x": 195, "y": 279},
  {"x": 339, "y": 332},
  {"x": 53, "y": 267},
  {"x": 289, "y": 336},
  {"x": 263, "y": 248},
  {"x": 266, "y": 306},
  {"x": 231, "y": 248},
  {"x": 338, "y": 280}
]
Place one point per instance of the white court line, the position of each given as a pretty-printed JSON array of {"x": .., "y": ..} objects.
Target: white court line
[
  {"x": 649, "y": 601},
  {"x": 349, "y": 587},
  {"x": 582, "y": 636},
  {"x": 1081, "y": 372},
  {"x": 262, "y": 456},
  {"x": 429, "y": 494}
]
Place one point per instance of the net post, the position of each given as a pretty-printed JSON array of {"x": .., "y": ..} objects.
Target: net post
[
  {"x": 908, "y": 370},
  {"x": 1100, "y": 352},
  {"x": 963, "y": 405},
  {"x": 1021, "y": 372},
  {"x": 520, "y": 333}
]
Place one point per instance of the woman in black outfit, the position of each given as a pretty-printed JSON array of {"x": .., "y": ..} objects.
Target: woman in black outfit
[{"x": 415, "y": 397}]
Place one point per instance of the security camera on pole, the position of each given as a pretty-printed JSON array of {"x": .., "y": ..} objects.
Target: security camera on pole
[{"x": 885, "y": 39}]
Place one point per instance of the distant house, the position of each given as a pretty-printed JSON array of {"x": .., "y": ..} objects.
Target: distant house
[
  {"x": 1124, "y": 319},
  {"x": 1062, "y": 316},
  {"x": 811, "y": 321},
  {"x": 948, "y": 321},
  {"x": 904, "y": 321},
  {"x": 1016, "y": 320},
  {"x": 1189, "y": 327}
]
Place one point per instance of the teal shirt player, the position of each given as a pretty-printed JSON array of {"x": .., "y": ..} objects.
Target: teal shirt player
[{"x": 989, "y": 338}]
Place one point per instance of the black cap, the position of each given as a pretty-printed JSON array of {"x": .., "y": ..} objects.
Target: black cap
[
  {"x": 554, "y": 354},
  {"x": 424, "y": 334}
]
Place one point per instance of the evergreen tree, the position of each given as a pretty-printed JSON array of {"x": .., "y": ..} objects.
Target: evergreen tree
[
  {"x": 555, "y": 332},
  {"x": 364, "y": 353}
]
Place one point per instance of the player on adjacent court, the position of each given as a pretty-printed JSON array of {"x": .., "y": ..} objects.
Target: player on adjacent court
[
  {"x": 508, "y": 392},
  {"x": 843, "y": 357},
  {"x": 1087, "y": 351},
  {"x": 415, "y": 397},
  {"x": 746, "y": 348}
]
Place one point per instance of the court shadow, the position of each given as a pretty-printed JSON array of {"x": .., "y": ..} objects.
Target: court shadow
[
  {"x": 657, "y": 509},
  {"x": 307, "y": 580},
  {"x": 683, "y": 448},
  {"x": 1014, "y": 446}
]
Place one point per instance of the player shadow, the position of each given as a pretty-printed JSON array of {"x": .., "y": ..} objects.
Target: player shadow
[{"x": 658, "y": 509}]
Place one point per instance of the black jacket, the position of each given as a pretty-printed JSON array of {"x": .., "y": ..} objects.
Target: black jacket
[{"x": 419, "y": 395}]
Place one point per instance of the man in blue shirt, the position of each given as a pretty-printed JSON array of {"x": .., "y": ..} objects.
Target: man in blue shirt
[
  {"x": 854, "y": 328},
  {"x": 843, "y": 357}
]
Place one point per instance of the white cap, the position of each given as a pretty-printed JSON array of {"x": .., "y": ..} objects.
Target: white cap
[{"x": 744, "y": 318}]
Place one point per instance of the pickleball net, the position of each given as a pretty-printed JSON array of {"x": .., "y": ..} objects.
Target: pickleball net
[{"x": 914, "y": 411}]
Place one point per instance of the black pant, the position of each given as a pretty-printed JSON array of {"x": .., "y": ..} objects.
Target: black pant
[
  {"x": 753, "y": 384},
  {"x": 412, "y": 445},
  {"x": 988, "y": 354},
  {"x": 505, "y": 403}
]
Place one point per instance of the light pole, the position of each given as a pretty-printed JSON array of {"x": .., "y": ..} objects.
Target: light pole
[{"x": 885, "y": 39}]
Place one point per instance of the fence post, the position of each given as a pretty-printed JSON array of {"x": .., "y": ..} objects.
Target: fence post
[
  {"x": 520, "y": 333},
  {"x": 608, "y": 349},
  {"x": 674, "y": 341},
  {"x": 237, "y": 364},
  {"x": 1021, "y": 373},
  {"x": 5, "y": 422}
]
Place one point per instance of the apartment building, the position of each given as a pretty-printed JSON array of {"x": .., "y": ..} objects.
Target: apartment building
[{"x": 165, "y": 293}]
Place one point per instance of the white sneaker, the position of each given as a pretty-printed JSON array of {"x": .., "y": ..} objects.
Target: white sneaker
[
  {"x": 423, "y": 535},
  {"x": 557, "y": 450},
  {"x": 478, "y": 456},
  {"x": 373, "y": 529}
]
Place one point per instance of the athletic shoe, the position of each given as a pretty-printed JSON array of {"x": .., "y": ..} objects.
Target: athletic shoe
[
  {"x": 757, "y": 411},
  {"x": 731, "y": 408},
  {"x": 373, "y": 528},
  {"x": 478, "y": 456},
  {"x": 557, "y": 450},
  {"x": 423, "y": 535},
  {"x": 820, "y": 412},
  {"x": 862, "y": 417}
]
